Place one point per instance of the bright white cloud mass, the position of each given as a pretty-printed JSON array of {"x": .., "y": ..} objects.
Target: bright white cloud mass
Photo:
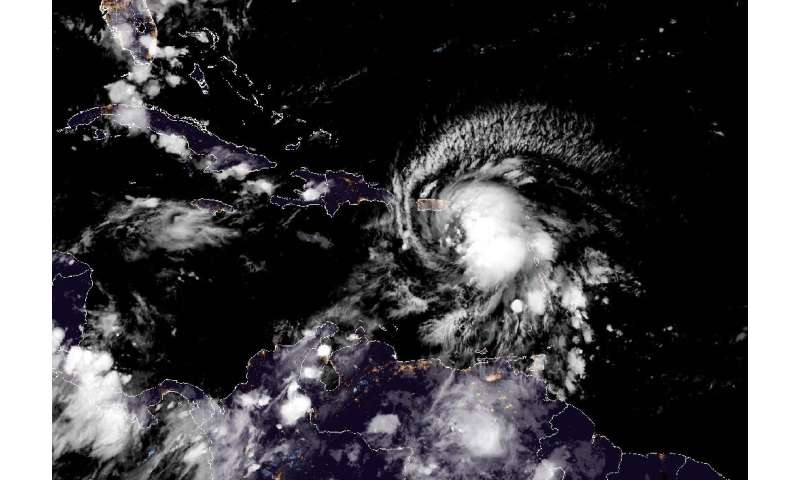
[
  {"x": 295, "y": 406},
  {"x": 383, "y": 423},
  {"x": 93, "y": 412},
  {"x": 153, "y": 224},
  {"x": 174, "y": 144},
  {"x": 258, "y": 187},
  {"x": 123, "y": 92}
]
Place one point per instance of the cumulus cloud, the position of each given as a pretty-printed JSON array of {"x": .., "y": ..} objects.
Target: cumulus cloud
[
  {"x": 152, "y": 88},
  {"x": 254, "y": 398},
  {"x": 324, "y": 350},
  {"x": 171, "y": 143},
  {"x": 123, "y": 92},
  {"x": 313, "y": 191},
  {"x": 311, "y": 373},
  {"x": 107, "y": 322},
  {"x": 136, "y": 119},
  {"x": 168, "y": 52},
  {"x": 480, "y": 433},
  {"x": 134, "y": 32},
  {"x": 142, "y": 202},
  {"x": 140, "y": 73},
  {"x": 173, "y": 80},
  {"x": 576, "y": 368},
  {"x": 295, "y": 406},
  {"x": 92, "y": 412},
  {"x": 258, "y": 187},
  {"x": 238, "y": 171},
  {"x": 548, "y": 470},
  {"x": 384, "y": 423}
]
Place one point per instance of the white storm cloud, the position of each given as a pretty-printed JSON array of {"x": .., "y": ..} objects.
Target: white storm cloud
[
  {"x": 258, "y": 187},
  {"x": 140, "y": 72},
  {"x": 500, "y": 239},
  {"x": 171, "y": 143},
  {"x": 295, "y": 406},
  {"x": 136, "y": 119},
  {"x": 93, "y": 414},
  {"x": 383, "y": 423},
  {"x": 238, "y": 171},
  {"x": 480, "y": 433},
  {"x": 123, "y": 92},
  {"x": 173, "y": 80},
  {"x": 313, "y": 192}
]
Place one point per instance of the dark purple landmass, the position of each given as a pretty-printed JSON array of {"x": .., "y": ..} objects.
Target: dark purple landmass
[
  {"x": 694, "y": 470},
  {"x": 299, "y": 451},
  {"x": 72, "y": 280},
  {"x": 663, "y": 466},
  {"x": 432, "y": 401},
  {"x": 432, "y": 404},
  {"x": 213, "y": 206},
  {"x": 153, "y": 396},
  {"x": 336, "y": 188},
  {"x": 66, "y": 265},
  {"x": 132, "y": 16},
  {"x": 188, "y": 391},
  {"x": 577, "y": 449},
  {"x": 489, "y": 421},
  {"x": 200, "y": 78},
  {"x": 222, "y": 154}
]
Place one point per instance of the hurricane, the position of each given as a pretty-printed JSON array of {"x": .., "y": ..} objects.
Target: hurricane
[{"x": 501, "y": 240}]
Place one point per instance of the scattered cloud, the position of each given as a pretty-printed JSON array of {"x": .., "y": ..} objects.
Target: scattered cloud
[
  {"x": 168, "y": 52},
  {"x": 315, "y": 238},
  {"x": 238, "y": 172},
  {"x": 160, "y": 7},
  {"x": 140, "y": 73},
  {"x": 151, "y": 224}
]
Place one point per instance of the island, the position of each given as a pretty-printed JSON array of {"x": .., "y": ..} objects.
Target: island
[
  {"x": 221, "y": 154},
  {"x": 331, "y": 190}
]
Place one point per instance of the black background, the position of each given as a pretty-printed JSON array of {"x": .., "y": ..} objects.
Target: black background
[{"x": 374, "y": 72}]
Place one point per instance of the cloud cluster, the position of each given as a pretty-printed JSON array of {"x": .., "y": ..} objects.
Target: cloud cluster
[
  {"x": 91, "y": 412},
  {"x": 387, "y": 419},
  {"x": 383, "y": 423},
  {"x": 134, "y": 31},
  {"x": 174, "y": 144},
  {"x": 258, "y": 187},
  {"x": 296, "y": 405},
  {"x": 144, "y": 225},
  {"x": 515, "y": 258}
]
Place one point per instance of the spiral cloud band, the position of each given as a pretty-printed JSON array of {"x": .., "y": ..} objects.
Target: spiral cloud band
[{"x": 501, "y": 243}]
